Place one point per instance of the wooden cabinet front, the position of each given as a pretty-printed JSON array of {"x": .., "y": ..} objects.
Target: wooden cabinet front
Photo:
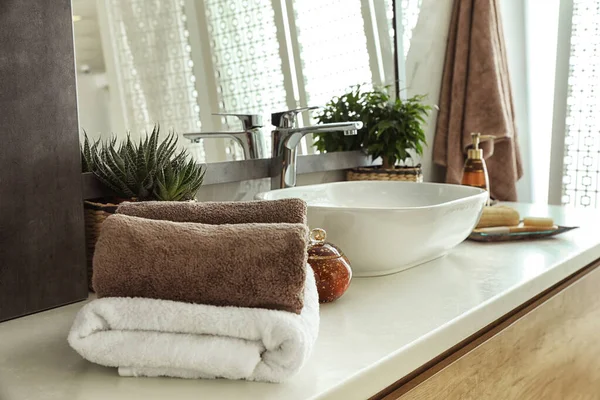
[{"x": 550, "y": 350}]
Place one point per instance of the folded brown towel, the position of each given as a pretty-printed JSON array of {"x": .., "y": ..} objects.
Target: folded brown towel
[
  {"x": 244, "y": 265},
  {"x": 476, "y": 97},
  {"x": 275, "y": 211}
]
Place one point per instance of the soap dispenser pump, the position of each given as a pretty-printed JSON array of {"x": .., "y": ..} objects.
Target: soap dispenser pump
[{"x": 475, "y": 171}]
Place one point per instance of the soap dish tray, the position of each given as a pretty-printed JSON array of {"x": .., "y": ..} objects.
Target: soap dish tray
[{"x": 505, "y": 237}]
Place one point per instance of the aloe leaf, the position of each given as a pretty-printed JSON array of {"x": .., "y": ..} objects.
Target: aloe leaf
[{"x": 151, "y": 152}]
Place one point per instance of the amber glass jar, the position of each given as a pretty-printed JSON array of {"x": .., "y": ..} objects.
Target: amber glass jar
[{"x": 332, "y": 269}]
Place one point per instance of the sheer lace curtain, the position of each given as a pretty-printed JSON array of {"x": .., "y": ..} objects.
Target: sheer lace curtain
[{"x": 153, "y": 66}]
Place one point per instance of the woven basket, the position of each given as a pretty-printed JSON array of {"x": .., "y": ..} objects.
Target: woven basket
[
  {"x": 405, "y": 174},
  {"x": 95, "y": 214}
]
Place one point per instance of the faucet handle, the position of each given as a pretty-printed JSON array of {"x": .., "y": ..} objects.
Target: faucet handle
[
  {"x": 249, "y": 121},
  {"x": 287, "y": 119}
]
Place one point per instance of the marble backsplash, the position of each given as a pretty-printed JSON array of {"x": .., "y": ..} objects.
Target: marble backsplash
[{"x": 246, "y": 190}]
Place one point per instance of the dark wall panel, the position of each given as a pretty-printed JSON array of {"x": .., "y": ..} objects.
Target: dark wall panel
[{"x": 42, "y": 251}]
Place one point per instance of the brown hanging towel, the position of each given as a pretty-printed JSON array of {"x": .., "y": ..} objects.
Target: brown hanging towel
[{"x": 476, "y": 97}]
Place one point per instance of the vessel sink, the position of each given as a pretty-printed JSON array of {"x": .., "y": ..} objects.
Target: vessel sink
[{"x": 387, "y": 227}]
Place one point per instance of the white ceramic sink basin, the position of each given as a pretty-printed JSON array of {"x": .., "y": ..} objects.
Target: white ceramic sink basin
[{"x": 386, "y": 227}]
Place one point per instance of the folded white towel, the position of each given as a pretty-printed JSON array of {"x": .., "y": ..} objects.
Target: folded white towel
[{"x": 147, "y": 337}]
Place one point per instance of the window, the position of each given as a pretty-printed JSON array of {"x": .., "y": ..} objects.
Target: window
[{"x": 581, "y": 174}]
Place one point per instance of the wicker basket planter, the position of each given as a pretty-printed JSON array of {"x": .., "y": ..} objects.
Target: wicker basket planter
[
  {"x": 405, "y": 174},
  {"x": 95, "y": 214}
]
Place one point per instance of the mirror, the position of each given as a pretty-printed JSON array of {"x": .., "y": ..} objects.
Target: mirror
[{"x": 185, "y": 63}]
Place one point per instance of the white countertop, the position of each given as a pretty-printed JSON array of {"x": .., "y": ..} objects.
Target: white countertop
[{"x": 381, "y": 330}]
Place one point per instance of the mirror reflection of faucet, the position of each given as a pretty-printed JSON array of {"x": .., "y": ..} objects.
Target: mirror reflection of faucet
[
  {"x": 286, "y": 137},
  {"x": 250, "y": 138}
]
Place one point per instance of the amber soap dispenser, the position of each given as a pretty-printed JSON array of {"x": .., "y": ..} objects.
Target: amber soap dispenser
[{"x": 475, "y": 171}]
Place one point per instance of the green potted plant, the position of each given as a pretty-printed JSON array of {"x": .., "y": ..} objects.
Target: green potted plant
[
  {"x": 392, "y": 129},
  {"x": 151, "y": 169}
]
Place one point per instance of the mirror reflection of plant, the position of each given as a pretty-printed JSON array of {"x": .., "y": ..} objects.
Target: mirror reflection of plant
[
  {"x": 392, "y": 127},
  {"x": 148, "y": 170}
]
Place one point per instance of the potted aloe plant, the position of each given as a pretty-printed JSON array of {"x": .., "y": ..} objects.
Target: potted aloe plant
[
  {"x": 392, "y": 129},
  {"x": 151, "y": 169}
]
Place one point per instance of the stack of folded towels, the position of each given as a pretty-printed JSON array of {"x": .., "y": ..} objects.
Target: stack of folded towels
[{"x": 202, "y": 290}]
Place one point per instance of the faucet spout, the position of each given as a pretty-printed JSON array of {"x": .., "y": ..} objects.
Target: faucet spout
[
  {"x": 285, "y": 142},
  {"x": 294, "y": 135},
  {"x": 251, "y": 141},
  {"x": 196, "y": 136}
]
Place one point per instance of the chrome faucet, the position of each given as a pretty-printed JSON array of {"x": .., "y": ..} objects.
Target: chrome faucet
[
  {"x": 285, "y": 140},
  {"x": 250, "y": 139}
]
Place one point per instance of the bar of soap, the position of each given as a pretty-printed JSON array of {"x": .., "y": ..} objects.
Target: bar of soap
[
  {"x": 538, "y": 222},
  {"x": 498, "y": 216}
]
